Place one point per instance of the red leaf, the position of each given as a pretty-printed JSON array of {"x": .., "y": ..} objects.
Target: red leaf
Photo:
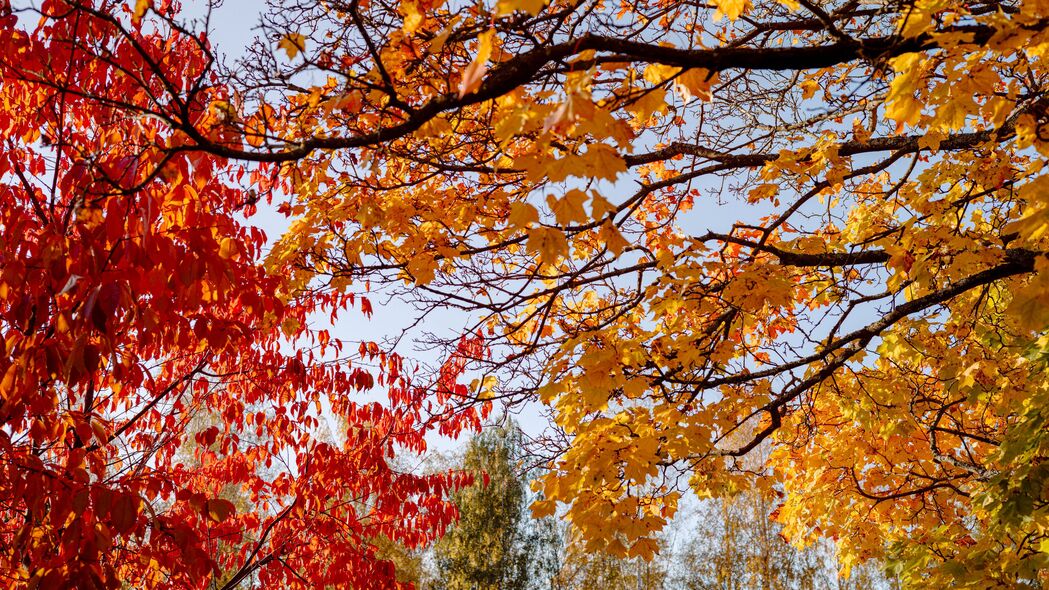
[{"x": 219, "y": 510}]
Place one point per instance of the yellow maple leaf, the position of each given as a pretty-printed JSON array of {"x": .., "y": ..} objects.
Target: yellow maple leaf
[
  {"x": 522, "y": 215},
  {"x": 932, "y": 140},
  {"x": 809, "y": 88},
  {"x": 695, "y": 83},
  {"x": 543, "y": 508},
  {"x": 422, "y": 268},
  {"x": 644, "y": 548},
  {"x": 292, "y": 44},
  {"x": 603, "y": 161},
  {"x": 901, "y": 104},
  {"x": 600, "y": 207},
  {"x": 762, "y": 192},
  {"x": 413, "y": 18},
  {"x": 730, "y": 8},
  {"x": 656, "y": 74},
  {"x": 474, "y": 73},
  {"x": 508, "y": 7},
  {"x": 613, "y": 240},
  {"x": 651, "y": 102},
  {"x": 548, "y": 242},
  {"x": 568, "y": 208}
]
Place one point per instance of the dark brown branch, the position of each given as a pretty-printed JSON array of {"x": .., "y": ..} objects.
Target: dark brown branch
[
  {"x": 520, "y": 69},
  {"x": 839, "y": 352}
]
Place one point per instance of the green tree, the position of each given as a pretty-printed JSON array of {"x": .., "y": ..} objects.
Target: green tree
[{"x": 496, "y": 544}]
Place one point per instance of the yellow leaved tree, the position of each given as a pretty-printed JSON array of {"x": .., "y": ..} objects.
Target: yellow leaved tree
[{"x": 695, "y": 228}]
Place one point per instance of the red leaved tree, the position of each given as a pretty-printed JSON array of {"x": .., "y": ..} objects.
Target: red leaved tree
[{"x": 133, "y": 303}]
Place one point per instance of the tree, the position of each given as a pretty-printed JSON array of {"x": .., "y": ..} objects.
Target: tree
[
  {"x": 583, "y": 568},
  {"x": 872, "y": 305},
  {"x": 133, "y": 301},
  {"x": 495, "y": 544}
]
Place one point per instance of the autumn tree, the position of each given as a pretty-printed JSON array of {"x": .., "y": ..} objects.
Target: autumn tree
[
  {"x": 731, "y": 543},
  {"x": 583, "y": 568},
  {"x": 133, "y": 302},
  {"x": 818, "y": 223},
  {"x": 495, "y": 544}
]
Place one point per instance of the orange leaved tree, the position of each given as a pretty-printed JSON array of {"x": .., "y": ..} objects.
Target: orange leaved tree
[{"x": 133, "y": 303}]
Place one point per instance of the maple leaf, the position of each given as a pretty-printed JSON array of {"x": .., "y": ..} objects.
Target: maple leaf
[
  {"x": 548, "y": 242},
  {"x": 413, "y": 17},
  {"x": 474, "y": 73},
  {"x": 733, "y": 9},
  {"x": 809, "y": 88},
  {"x": 612, "y": 239},
  {"x": 695, "y": 83},
  {"x": 530, "y": 7},
  {"x": 292, "y": 44},
  {"x": 422, "y": 268},
  {"x": 568, "y": 208},
  {"x": 522, "y": 215},
  {"x": 600, "y": 207}
]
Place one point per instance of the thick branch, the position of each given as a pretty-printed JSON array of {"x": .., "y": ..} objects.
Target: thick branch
[{"x": 522, "y": 68}]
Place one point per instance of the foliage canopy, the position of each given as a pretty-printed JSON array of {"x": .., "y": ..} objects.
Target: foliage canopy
[{"x": 689, "y": 228}]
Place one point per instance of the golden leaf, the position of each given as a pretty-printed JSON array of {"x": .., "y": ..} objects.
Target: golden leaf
[
  {"x": 474, "y": 73},
  {"x": 600, "y": 207},
  {"x": 809, "y": 88},
  {"x": 614, "y": 240},
  {"x": 730, "y": 8},
  {"x": 141, "y": 6},
  {"x": 508, "y": 7},
  {"x": 695, "y": 83},
  {"x": 522, "y": 215},
  {"x": 550, "y": 243},
  {"x": 413, "y": 18},
  {"x": 569, "y": 208},
  {"x": 292, "y": 44}
]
